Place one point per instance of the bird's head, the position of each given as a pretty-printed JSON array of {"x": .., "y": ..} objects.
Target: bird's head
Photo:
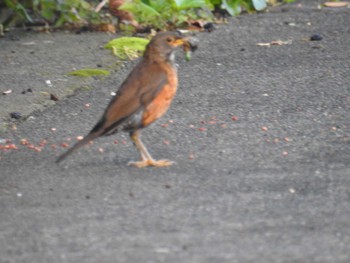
[{"x": 164, "y": 44}]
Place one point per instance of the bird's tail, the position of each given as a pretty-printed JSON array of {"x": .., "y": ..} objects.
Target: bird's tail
[{"x": 78, "y": 145}]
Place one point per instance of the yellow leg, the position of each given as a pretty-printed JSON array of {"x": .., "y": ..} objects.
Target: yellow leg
[{"x": 146, "y": 158}]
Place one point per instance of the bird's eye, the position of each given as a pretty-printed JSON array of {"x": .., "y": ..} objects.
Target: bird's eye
[{"x": 169, "y": 39}]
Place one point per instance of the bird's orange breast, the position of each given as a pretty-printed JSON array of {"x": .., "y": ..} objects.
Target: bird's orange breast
[{"x": 161, "y": 103}]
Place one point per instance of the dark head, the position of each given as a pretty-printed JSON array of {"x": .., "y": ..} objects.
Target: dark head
[{"x": 164, "y": 44}]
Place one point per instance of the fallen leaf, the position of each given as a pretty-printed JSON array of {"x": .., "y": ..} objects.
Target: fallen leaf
[
  {"x": 37, "y": 149},
  {"x": 6, "y": 92},
  {"x": 275, "y": 43},
  {"x": 127, "y": 47},
  {"x": 89, "y": 72},
  {"x": 64, "y": 145},
  {"x": 29, "y": 43},
  {"x": 24, "y": 142},
  {"x": 105, "y": 27},
  {"x": 336, "y": 4},
  {"x": 42, "y": 143},
  {"x": 195, "y": 25}
]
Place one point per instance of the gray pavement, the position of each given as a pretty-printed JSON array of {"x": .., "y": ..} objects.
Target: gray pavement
[{"x": 260, "y": 136}]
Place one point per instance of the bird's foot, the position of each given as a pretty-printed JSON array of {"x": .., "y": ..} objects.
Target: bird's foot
[{"x": 145, "y": 163}]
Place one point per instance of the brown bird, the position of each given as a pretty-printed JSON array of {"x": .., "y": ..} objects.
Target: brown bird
[{"x": 143, "y": 97}]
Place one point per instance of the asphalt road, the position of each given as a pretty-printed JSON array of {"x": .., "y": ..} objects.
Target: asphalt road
[{"x": 260, "y": 135}]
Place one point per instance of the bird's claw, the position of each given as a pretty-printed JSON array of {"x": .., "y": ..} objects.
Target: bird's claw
[{"x": 145, "y": 163}]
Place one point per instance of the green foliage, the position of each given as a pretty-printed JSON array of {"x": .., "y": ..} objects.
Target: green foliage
[
  {"x": 127, "y": 47},
  {"x": 54, "y": 12},
  {"x": 89, "y": 72},
  {"x": 18, "y": 9},
  {"x": 144, "y": 13},
  {"x": 233, "y": 7},
  {"x": 187, "y": 4},
  {"x": 162, "y": 13}
]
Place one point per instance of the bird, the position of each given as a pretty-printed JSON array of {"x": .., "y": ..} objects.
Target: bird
[{"x": 143, "y": 97}]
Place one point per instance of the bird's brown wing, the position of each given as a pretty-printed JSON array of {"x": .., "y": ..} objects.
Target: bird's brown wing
[
  {"x": 136, "y": 92},
  {"x": 132, "y": 97}
]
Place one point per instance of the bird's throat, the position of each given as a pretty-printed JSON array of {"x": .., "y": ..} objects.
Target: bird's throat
[{"x": 171, "y": 57}]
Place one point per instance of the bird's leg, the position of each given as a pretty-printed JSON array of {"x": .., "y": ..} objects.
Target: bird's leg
[{"x": 146, "y": 158}]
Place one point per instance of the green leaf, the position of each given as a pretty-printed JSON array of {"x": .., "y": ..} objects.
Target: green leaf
[
  {"x": 130, "y": 7},
  {"x": 231, "y": 6},
  {"x": 148, "y": 11},
  {"x": 10, "y": 4},
  {"x": 71, "y": 3},
  {"x": 160, "y": 6},
  {"x": 140, "y": 10},
  {"x": 17, "y": 7},
  {"x": 61, "y": 20},
  {"x": 89, "y": 72},
  {"x": 48, "y": 14},
  {"x": 85, "y": 5},
  {"x": 259, "y": 4},
  {"x": 187, "y": 4},
  {"x": 215, "y": 2},
  {"x": 127, "y": 47},
  {"x": 23, "y": 11}
]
